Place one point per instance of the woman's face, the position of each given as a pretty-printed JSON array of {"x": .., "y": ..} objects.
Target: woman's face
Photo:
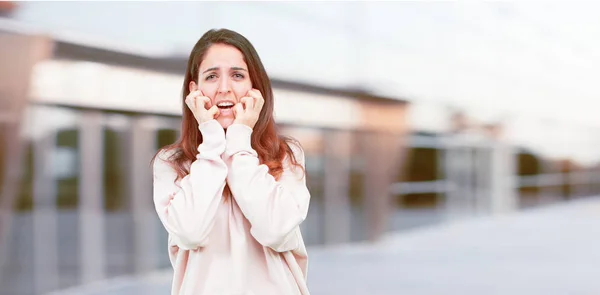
[{"x": 223, "y": 77}]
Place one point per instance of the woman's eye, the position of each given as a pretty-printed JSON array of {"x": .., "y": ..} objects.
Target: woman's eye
[
  {"x": 211, "y": 76},
  {"x": 238, "y": 76}
]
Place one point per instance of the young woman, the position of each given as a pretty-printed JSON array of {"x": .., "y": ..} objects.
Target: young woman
[{"x": 231, "y": 192}]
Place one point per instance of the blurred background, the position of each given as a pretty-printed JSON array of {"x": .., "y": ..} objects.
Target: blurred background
[{"x": 452, "y": 147}]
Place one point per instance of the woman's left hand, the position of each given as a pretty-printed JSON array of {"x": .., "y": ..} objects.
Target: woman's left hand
[{"x": 248, "y": 109}]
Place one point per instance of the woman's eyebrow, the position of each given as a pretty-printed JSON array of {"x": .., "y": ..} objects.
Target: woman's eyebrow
[{"x": 232, "y": 68}]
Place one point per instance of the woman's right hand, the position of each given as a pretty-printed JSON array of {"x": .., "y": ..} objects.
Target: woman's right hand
[{"x": 200, "y": 106}]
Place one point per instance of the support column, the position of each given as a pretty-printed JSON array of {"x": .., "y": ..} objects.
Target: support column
[
  {"x": 45, "y": 233},
  {"x": 142, "y": 148},
  {"x": 484, "y": 174},
  {"x": 503, "y": 190},
  {"x": 383, "y": 154},
  {"x": 91, "y": 197},
  {"x": 458, "y": 163}
]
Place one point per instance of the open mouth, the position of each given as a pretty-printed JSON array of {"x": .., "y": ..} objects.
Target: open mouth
[{"x": 225, "y": 105}]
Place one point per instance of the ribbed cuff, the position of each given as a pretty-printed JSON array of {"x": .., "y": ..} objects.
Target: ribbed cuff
[
  {"x": 213, "y": 137},
  {"x": 239, "y": 138}
]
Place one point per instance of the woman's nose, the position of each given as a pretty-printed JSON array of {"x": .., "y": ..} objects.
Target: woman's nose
[{"x": 224, "y": 86}]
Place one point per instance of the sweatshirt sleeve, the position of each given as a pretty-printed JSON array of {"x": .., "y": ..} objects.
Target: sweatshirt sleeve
[
  {"x": 274, "y": 208},
  {"x": 187, "y": 210}
]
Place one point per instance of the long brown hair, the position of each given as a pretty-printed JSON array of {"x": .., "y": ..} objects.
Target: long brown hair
[{"x": 270, "y": 146}]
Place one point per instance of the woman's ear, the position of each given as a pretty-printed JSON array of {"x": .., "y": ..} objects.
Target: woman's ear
[{"x": 193, "y": 86}]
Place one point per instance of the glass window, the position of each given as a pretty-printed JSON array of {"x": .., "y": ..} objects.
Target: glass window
[
  {"x": 65, "y": 163},
  {"x": 116, "y": 162},
  {"x": 356, "y": 190},
  {"x": 529, "y": 165},
  {"x": 422, "y": 165},
  {"x": 166, "y": 137},
  {"x": 24, "y": 198}
]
